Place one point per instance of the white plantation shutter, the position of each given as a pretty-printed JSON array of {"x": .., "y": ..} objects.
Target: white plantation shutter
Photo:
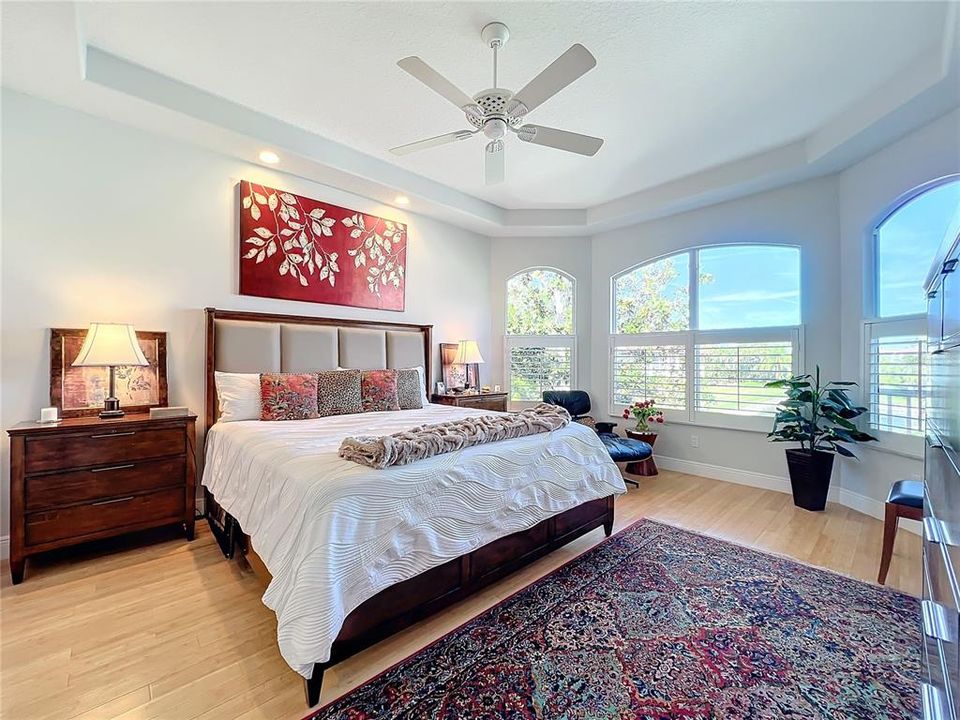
[
  {"x": 536, "y": 364},
  {"x": 650, "y": 372},
  {"x": 895, "y": 366},
  {"x": 730, "y": 376}
]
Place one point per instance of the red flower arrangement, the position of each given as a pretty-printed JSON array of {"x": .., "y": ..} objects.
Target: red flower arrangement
[{"x": 645, "y": 413}]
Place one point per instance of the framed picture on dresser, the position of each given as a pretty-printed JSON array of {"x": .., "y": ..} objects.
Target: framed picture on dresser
[
  {"x": 455, "y": 375},
  {"x": 80, "y": 391}
]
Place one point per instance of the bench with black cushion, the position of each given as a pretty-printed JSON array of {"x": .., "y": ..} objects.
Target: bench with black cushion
[
  {"x": 577, "y": 403},
  {"x": 905, "y": 500}
]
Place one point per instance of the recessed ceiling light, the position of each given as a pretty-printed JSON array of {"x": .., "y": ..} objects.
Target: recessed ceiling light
[
  {"x": 269, "y": 156},
  {"x": 401, "y": 200}
]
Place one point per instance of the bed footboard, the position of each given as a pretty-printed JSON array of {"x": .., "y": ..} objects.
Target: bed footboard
[
  {"x": 405, "y": 603},
  {"x": 401, "y": 605}
]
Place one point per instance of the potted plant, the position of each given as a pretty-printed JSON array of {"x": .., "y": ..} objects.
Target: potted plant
[
  {"x": 647, "y": 415},
  {"x": 820, "y": 418}
]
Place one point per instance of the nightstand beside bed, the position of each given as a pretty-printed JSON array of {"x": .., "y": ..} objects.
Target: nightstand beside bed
[
  {"x": 85, "y": 479},
  {"x": 482, "y": 401}
]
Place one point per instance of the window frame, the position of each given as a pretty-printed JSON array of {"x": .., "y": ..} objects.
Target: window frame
[
  {"x": 692, "y": 337},
  {"x": 914, "y": 323},
  {"x": 519, "y": 341},
  {"x": 872, "y": 256}
]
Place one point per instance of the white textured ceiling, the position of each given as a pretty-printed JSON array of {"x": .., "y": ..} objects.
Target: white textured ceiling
[
  {"x": 694, "y": 99},
  {"x": 678, "y": 87}
]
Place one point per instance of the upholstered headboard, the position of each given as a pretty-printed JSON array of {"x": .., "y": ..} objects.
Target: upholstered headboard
[{"x": 251, "y": 342}]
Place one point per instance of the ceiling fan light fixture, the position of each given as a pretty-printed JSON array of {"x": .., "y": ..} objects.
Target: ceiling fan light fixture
[{"x": 495, "y": 129}]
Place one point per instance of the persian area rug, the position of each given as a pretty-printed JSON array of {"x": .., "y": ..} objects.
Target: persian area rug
[{"x": 657, "y": 622}]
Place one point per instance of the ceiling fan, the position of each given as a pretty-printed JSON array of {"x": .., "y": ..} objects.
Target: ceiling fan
[{"x": 497, "y": 111}]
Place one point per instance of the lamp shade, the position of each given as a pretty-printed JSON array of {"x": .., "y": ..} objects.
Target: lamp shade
[
  {"x": 468, "y": 353},
  {"x": 110, "y": 344}
]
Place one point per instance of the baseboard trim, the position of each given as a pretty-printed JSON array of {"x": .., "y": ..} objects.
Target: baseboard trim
[
  {"x": 875, "y": 508},
  {"x": 4, "y": 547},
  {"x": 847, "y": 498}
]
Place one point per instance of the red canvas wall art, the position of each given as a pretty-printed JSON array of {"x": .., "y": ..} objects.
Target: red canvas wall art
[{"x": 295, "y": 248}]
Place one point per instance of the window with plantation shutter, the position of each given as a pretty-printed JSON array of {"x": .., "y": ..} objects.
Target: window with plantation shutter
[
  {"x": 650, "y": 372},
  {"x": 894, "y": 330},
  {"x": 540, "y": 341},
  {"x": 731, "y": 377},
  {"x": 702, "y": 331},
  {"x": 535, "y": 368},
  {"x": 895, "y": 366}
]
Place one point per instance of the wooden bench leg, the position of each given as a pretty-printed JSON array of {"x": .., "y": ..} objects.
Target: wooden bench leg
[{"x": 891, "y": 518}]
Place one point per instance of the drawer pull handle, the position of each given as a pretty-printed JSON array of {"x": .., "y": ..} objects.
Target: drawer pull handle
[
  {"x": 113, "y": 467},
  {"x": 113, "y": 500},
  {"x": 936, "y": 621},
  {"x": 933, "y": 701},
  {"x": 120, "y": 434}
]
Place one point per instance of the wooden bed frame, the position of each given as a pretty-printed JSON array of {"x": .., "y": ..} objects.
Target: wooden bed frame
[{"x": 405, "y": 603}]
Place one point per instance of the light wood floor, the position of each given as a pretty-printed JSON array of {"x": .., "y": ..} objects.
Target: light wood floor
[{"x": 172, "y": 630}]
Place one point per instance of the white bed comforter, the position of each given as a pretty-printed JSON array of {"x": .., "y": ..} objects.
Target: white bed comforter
[{"x": 333, "y": 533}]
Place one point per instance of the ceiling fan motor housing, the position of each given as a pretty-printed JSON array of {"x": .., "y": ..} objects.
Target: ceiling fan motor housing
[{"x": 496, "y": 104}]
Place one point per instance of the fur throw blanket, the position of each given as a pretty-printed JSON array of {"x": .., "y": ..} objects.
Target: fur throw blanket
[{"x": 428, "y": 440}]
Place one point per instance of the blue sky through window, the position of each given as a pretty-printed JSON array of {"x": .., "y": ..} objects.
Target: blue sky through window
[
  {"x": 906, "y": 244},
  {"x": 749, "y": 286}
]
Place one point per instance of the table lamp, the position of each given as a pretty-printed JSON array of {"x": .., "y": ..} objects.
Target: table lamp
[
  {"x": 109, "y": 345},
  {"x": 468, "y": 353}
]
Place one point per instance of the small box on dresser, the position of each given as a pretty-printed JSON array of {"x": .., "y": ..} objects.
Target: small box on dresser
[{"x": 85, "y": 479}]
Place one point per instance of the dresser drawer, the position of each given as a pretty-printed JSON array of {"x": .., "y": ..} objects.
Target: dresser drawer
[
  {"x": 105, "y": 515},
  {"x": 941, "y": 621},
  {"x": 484, "y": 403},
  {"x": 101, "y": 447},
  {"x": 79, "y": 486}
]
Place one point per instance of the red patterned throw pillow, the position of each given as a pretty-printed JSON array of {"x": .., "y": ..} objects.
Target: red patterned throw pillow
[
  {"x": 288, "y": 396},
  {"x": 378, "y": 389}
]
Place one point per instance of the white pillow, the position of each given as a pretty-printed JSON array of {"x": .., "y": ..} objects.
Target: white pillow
[{"x": 239, "y": 396}]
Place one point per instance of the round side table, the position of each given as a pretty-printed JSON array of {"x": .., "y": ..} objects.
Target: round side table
[{"x": 644, "y": 468}]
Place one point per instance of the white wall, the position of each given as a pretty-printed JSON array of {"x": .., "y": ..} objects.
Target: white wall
[
  {"x": 511, "y": 255},
  {"x": 867, "y": 192},
  {"x": 104, "y": 222},
  {"x": 804, "y": 214}
]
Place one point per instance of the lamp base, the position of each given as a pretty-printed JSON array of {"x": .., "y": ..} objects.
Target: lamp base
[{"x": 111, "y": 408}]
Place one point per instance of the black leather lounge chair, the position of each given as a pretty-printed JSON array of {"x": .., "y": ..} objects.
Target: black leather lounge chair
[{"x": 577, "y": 403}]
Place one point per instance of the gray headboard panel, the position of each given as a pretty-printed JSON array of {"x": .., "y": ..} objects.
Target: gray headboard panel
[{"x": 239, "y": 341}]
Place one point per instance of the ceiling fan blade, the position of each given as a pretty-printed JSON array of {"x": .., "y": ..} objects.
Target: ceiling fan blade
[
  {"x": 555, "y": 77},
  {"x": 433, "y": 142},
  {"x": 435, "y": 81},
  {"x": 493, "y": 162},
  {"x": 560, "y": 139}
]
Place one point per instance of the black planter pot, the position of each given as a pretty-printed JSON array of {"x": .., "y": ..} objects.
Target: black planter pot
[{"x": 810, "y": 477}]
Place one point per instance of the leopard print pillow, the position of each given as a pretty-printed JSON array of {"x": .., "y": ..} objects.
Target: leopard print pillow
[
  {"x": 409, "y": 392},
  {"x": 338, "y": 392}
]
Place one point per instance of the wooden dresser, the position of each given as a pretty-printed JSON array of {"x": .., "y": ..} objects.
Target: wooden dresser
[
  {"x": 483, "y": 401},
  {"x": 87, "y": 478}
]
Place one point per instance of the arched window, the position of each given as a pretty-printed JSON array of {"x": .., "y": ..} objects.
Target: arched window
[
  {"x": 701, "y": 331},
  {"x": 904, "y": 244},
  {"x": 540, "y": 343}
]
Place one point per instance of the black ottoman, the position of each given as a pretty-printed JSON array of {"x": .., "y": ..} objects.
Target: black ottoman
[{"x": 625, "y": 450}]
